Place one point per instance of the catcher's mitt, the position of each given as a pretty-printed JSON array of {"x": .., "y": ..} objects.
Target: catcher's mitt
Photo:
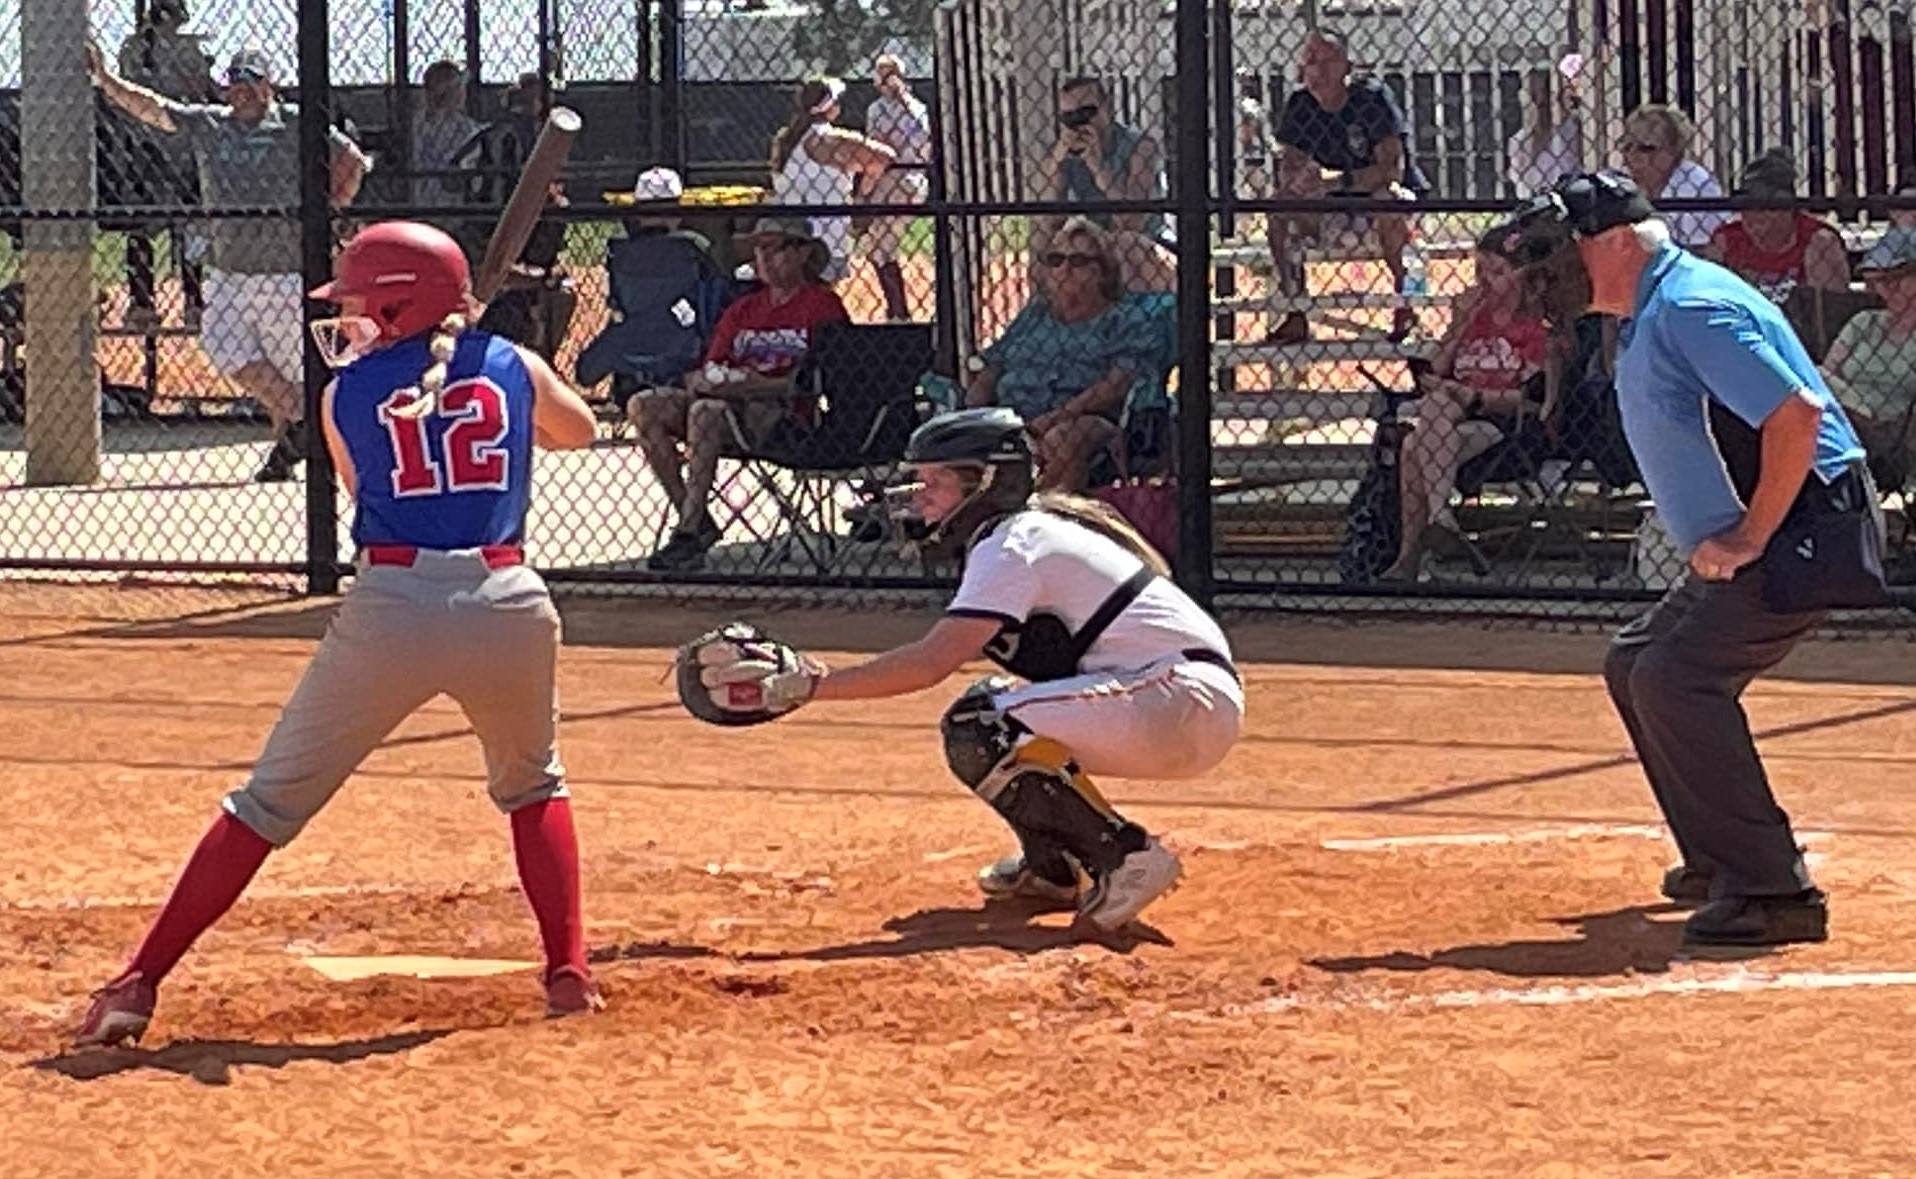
[{"x": 739, "y": 675}]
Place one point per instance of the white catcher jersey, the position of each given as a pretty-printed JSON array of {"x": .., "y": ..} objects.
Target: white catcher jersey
[{"x": 1033, "y": 562}]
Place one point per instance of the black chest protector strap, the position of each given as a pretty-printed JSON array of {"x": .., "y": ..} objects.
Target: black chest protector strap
[{"x": 1043, "y": 648}]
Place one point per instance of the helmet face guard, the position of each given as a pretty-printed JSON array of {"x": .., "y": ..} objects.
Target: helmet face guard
[
  {"x": 343, "y": 339},
  {"x": 921, "y": 534},
  {"x": 407, "y": 277},
  {"x": 991, "y": 443}
]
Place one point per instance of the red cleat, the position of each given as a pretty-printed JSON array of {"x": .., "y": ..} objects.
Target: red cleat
[
  {"x": 120, "y": 1012},
  {"x": 569, "y": 991}
]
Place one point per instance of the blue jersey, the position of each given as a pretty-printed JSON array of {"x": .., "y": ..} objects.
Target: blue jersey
[
  {"x": 1702, "y": 334},
  {"x": 457, "y": 478}
]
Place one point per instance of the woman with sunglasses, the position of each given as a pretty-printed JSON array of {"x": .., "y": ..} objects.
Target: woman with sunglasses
[
  {"x": 1656, "y": 152},
  {"x": 1071, "y": 359}
]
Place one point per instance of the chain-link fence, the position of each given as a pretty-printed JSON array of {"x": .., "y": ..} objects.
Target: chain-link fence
[{"x": 764, "y": 276}]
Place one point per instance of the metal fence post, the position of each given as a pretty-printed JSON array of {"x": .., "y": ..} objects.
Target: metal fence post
[
  {"x": 316, "y": 263},
  {"x": 1194, "y": 567}
]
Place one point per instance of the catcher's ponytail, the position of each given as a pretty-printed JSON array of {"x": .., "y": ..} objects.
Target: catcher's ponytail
[
  {"x": 442, "y": 344},
  {"x": 1101, "y": 518}
]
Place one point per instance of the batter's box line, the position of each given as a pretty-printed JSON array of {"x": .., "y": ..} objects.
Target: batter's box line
[
  {"x": 1386, "y": 843},
  {"x": 1739, "y": 981},
  {"x": 316, "y": 892}
]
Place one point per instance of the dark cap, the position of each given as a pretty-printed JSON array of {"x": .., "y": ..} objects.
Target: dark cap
[
  {"x": 1772, "y": 174},
  {"x": 1578, "y": 206}
]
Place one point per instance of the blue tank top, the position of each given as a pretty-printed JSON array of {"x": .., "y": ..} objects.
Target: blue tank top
[{"x": 457, "y": 478}]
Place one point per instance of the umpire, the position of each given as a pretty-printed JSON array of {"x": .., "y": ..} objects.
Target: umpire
[{"x": 1759, "y": 476}]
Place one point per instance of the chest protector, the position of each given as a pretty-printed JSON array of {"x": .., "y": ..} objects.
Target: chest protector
[{"x": 1043, "y": 648}]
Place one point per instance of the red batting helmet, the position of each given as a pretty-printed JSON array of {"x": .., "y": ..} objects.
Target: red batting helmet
[{"x": 411, "y": 276}]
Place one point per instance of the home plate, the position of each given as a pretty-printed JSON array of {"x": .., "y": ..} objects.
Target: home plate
[{"x": 355, "y": 969}]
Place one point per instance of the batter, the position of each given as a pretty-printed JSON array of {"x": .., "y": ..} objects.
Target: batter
[{"x": 431, "y": 428}]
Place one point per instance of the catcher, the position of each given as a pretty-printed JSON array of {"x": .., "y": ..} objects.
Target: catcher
[{"x": 1125, "y": 675}]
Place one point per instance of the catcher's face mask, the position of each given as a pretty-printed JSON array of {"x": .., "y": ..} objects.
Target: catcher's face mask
[{"x": 929, "y": 495}]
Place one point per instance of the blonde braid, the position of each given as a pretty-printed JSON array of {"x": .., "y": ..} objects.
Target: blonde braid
[{"x": 432, "y": 382}]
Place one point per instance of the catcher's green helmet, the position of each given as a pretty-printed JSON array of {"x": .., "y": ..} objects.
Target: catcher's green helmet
[
  {"x": 991, "y": 440},
  {"x": 982, "y": 436}
]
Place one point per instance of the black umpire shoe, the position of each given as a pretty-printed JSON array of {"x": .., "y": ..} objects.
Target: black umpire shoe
[
  {"x": 1760, "y": 921},
  {"x": 1684, "y": 885}
]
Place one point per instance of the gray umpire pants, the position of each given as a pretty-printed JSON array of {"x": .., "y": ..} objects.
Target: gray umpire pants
[{"x": 1677, "y": 675}]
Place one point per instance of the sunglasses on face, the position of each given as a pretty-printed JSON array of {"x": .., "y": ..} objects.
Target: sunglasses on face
[
  {"x": 1641, "y": 149},
  {"x": 1057, "y": 259},
  {"x": 1079, "y": 116}
]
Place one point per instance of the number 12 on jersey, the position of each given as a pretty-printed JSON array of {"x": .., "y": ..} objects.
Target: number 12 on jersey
[{"x": 474, "y": 411}]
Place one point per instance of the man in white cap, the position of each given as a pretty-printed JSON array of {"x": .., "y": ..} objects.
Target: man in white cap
[{"x": 248, "y": 154}]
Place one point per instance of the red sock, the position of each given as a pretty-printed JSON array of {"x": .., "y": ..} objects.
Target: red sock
[
  {"x": 220, "y": 868},
  {"x": 546, "y": 846}
]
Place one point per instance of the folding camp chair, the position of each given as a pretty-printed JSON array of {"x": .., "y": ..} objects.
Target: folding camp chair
[{"x": 866, "y": 377}]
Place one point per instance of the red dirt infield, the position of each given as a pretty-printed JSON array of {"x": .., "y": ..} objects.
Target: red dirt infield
[{"x": 1419, "y": 933}]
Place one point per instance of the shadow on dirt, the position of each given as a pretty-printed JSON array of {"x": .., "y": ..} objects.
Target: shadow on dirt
[
  {"x": 211, "y": 1062},
  {"x": 1619, "y": 942},
  {"x": 1004, "y": 926}
]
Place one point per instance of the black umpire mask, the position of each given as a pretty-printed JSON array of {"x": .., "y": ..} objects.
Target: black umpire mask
[{"x": 1540, "y": 238}]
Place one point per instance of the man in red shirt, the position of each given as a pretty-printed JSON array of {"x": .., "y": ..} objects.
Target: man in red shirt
[
  {"x": 1778, "y": 250},
  {"x": 747, "y": 377}
]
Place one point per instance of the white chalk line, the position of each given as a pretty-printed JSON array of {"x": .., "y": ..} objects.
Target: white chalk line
[
  {"x": 1494, "y": 838},
  {"x": 317, "y": 892},
  {"x": 1741, "y": 980}
]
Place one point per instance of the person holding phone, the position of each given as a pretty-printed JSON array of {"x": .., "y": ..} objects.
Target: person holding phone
[{"x": 1098, "y": 159}]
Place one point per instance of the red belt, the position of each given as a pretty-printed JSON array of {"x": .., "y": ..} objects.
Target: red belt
[{"x": 496, "y": 556}]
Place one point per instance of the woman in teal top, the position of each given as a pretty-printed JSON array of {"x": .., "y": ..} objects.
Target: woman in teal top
[{"x": 1075, "y": 357}]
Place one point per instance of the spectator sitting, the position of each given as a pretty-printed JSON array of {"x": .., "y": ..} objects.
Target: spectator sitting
[
  {"x": 1071, "y": 359},
  {"x": 439, "y": 131},
  {"x": 1872, "y": 363},
  {"x": 1550, "y": 145},
  {"x": 1656, "y": 152},
  {"x": 1340, "y": 136},
  {"x": 665, "y": 291},
  {"x": 816, "y": 163},
  {"x": 1487, "y": 371},
  {"x": 749, "y": 365},
  {"x": 1778, "y": 250}
]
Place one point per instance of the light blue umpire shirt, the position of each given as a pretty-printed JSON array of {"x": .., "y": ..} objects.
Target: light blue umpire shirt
[{"x": 1701, "y": 332}]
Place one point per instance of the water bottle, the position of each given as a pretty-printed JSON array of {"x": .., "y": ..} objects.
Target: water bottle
[{"x": 1416, "y": 274}]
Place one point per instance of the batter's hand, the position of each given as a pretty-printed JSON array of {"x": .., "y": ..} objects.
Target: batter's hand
[{"x": 1721, "y": 556}]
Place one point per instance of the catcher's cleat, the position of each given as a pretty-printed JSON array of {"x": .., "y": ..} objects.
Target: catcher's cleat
[
  {"x": 1011, "y": 880},
  {"x": 571, "y": 991},
  {"x": 119, "y": 1014},
  {"x": 1119, "y": 895}
]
